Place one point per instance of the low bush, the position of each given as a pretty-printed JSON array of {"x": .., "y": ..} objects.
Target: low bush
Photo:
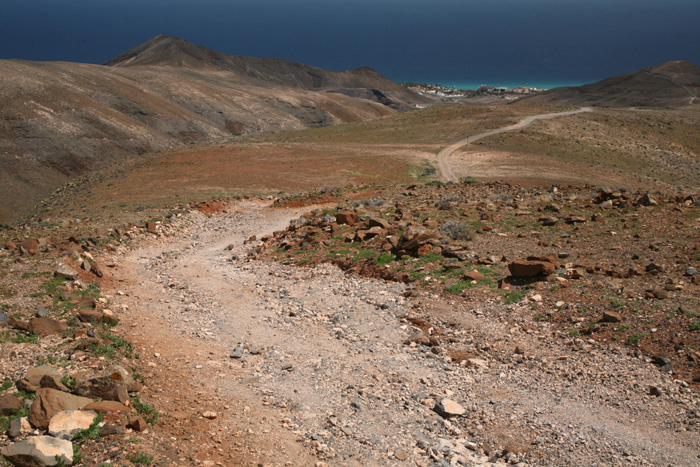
[{"x": 456, "y": 230}]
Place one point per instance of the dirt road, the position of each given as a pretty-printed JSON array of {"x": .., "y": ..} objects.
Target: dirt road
[
  {"x": 309, "y": 365},
  {"x": 444, "y": 155}
]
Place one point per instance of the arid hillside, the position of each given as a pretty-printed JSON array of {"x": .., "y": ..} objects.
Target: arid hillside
[
  {"x": 60, "y": 120},
  {"x": 168, "y": 51},
  {"x": 672, "y": 84}
]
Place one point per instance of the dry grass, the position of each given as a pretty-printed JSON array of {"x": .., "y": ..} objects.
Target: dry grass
[
  {"x": 634, "y": 148},
  {"x": 437, "y": 126},
  {"x": 611, "y": 147},
  {"x": 182, "y": 176}
]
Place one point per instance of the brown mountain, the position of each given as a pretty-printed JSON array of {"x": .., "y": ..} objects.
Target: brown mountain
[
  {"x": 671, "y": 84},
  {"x": 168, "y": 51},
  {"x": 60, "y": 120}
]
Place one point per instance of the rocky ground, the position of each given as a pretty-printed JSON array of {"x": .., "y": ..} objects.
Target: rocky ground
[{"x": 365, "y": 334}]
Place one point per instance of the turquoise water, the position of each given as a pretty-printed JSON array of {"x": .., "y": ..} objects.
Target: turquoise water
[{"x": 508, "y": 84}]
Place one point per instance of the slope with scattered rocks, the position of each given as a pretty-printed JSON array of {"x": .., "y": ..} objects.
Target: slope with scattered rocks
[{"x": 297, "y": 362}]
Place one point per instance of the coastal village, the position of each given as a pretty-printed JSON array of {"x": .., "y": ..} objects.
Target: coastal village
[{"x": 444, "y": 91}]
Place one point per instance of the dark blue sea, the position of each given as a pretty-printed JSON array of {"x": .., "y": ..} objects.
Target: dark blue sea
[{"x": 540, "y": 43}]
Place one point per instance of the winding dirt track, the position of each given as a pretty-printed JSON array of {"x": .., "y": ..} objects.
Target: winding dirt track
[
  {"x": 323, "y": 376},
  {"x": 444, "y": 155}
]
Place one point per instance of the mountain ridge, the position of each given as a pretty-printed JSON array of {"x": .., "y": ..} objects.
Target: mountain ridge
[
  {"x": 670, "y": 84},
  {"x": 170, "y": 51}
]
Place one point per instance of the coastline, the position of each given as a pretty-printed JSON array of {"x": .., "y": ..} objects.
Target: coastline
[{"x": 473, "y": 85}]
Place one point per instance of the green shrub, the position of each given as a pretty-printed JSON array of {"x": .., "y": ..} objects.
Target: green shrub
[
  {"x": 141, "y": 458},
  {"x": 146, "y": 410},
  {"x": 459, "y": 286},
  {"x": 514, "y": 296},
  {"x": 384, "y": 259},
  {"x": 635, "y": 338},
  {"x": 362, "y": 254}
]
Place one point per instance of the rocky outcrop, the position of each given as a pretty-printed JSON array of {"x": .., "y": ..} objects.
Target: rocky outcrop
[
  {"x": 49, "y": 402},
  {"x": 39, "y": 451}
]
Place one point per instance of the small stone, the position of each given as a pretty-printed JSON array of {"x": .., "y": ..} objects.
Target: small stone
[
  {"x": 664, "y": 363},
  {"x": 137, "y": 423},
  {"x": 42, "y": 313},
  {"x": 209, "y": 415},
  {"x": 477, "y": 363},
  {"x": 474, "y": 275},
  {"x": 66, "y": 272},
  {"x": 612, "y": 317},
  {"x": 237, "y": 352},
  {"x": 691, "y": 271},
  {"x": 655, "y": 391},
  {"x": 648, "y": 200},
  {"x": 448, "y": 408},
  {"x": 109, "y": 430},
  {"x": 659, "y": 294},
  {"x": 549, "y": 221},
  {"x": 401, "y": 455}
]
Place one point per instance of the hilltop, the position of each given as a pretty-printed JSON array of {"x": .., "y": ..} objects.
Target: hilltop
[
  {"x": 62, "y": 120},
  {"x": 671, "y": 84},
  {"x": 168, "y": 51}
]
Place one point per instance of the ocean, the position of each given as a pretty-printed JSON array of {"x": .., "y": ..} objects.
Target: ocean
[
  {"x": 507, "y": 83},
  {"x": 464, "y": 43}
]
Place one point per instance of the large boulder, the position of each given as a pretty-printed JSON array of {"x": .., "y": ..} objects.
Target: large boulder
[
  {"x": 39, "y": 451},
  {"x": 9, "y": 403},
  {"x": 66, "y": 424},
  {"x": 46, "y": 326},
  {"x": 107, "y": 384},
  {"x": 49, "y": 402},
  {"x": 530, "y": 268},
  {"x": 347, "y": 218}
]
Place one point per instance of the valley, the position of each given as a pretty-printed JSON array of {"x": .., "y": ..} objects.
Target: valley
[{"x": 334, "y": 277}]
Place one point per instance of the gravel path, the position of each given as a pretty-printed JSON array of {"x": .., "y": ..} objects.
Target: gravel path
[
  {"x": 326, "y": 353},
  {"x": 444, "y": 155}
]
